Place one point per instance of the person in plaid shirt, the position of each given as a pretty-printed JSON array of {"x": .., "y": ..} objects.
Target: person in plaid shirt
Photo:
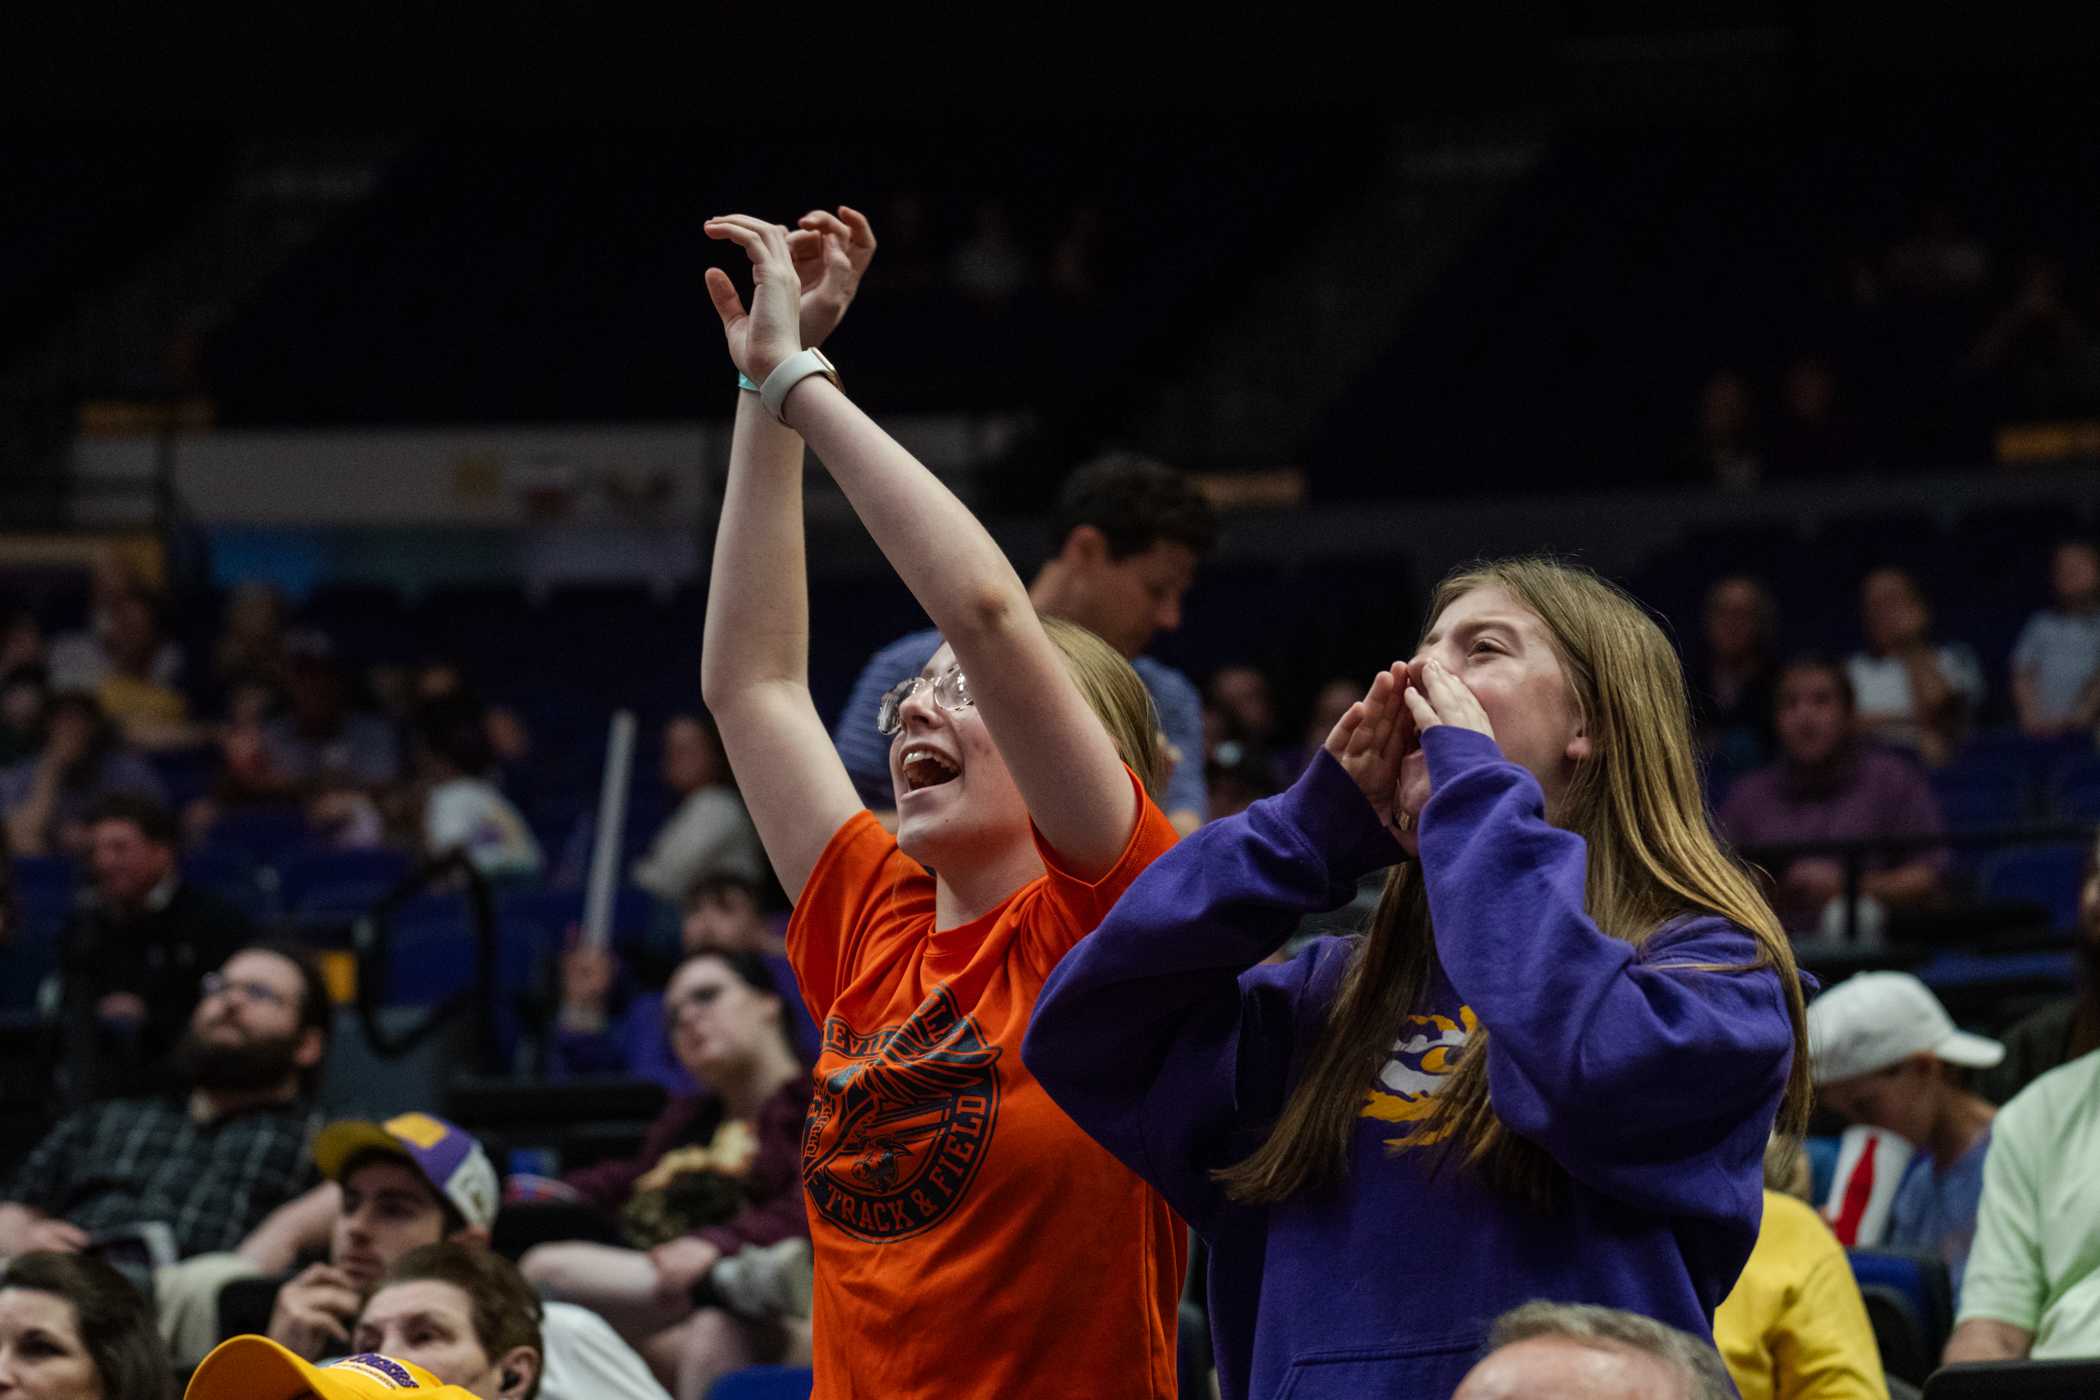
[{"x": 210, "y": 1165}]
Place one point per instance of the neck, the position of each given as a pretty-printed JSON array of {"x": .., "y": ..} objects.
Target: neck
[
  {"x": 745, "y": 1089},
  {"x": 974, "y": 890},
  {"x": 210, "y": 1105},
  {"x": 1962, "y": 1119},
  {"x": 1051, "y": 591}
]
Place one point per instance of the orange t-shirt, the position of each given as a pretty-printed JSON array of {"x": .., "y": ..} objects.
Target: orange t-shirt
[{"x": 970, "y": 1239}]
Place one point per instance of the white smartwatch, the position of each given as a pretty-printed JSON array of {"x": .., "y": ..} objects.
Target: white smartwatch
[{"x": 790, "y": 372}]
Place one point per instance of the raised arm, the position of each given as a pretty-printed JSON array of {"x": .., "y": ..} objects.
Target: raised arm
[
  {"x": 754, "y": 666},
  {"x": 1061, "y": 758}
]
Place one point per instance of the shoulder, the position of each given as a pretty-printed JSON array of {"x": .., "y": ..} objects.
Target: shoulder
[{"x": 2042, "y": 1108}]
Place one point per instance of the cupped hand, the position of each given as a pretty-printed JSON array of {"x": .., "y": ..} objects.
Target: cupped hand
[
  {"x": 759, "y": 339},
  {"x": 832, "y": 253},
  {"x": 1371, "y": 738},
  {"x": 1438, "y": 697},
  {"x": 315, "y": 1310}
]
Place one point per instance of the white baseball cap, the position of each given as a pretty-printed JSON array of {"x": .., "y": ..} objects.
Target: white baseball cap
[{"x": 1876, "y": 1019}]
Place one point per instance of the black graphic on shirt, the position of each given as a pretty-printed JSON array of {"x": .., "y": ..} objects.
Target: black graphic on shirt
[{"x": 896, "y": 1135}]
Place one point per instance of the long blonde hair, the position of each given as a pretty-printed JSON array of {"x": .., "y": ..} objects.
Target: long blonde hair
[
  {"x": 1637, "y": 805},
  {"x": 1117, "y": 697}
]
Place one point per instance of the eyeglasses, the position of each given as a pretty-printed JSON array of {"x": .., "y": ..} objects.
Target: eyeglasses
[
  {"x": 217, "y": 984},
  {"x": 950, "y": 691},
  {"x": 698, "y": 999}
]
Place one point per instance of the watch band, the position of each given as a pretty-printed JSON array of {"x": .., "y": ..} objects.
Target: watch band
[{"x": 790, "y": 372}]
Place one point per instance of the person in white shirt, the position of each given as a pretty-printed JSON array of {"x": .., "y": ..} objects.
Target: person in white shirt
[
  {"x": 710, "y": 834},
  {"x": 1911, "y": 691},
  {"x": 464, "y": 811}
]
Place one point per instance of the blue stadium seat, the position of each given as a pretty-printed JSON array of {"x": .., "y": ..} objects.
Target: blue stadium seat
[
  {"x": 1916, "y": 1294},
  {"x": 263, "y": 833},
  {"x": 187, "y": 774},
  {"x": 1979, "y": 794},
  {"x": 1822, "y": 1166},
  {"x": 45, "y": 877},
  {"x": 305, "y": 875},
  {"x": 2044, "y": 875},
  {"x": 764, "y": 1383},
  {"x": 2074, "y": 792}
]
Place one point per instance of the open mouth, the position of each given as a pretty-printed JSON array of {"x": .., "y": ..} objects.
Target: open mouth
[{"x": 923, "y": 768}]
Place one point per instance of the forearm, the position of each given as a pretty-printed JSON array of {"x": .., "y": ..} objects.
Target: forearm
[
  {"x": 757, "y": 627},
  {"x": 944, "y": 556},
  {"x": 2027, "y": 706},
  {"x": 1906, "y": 884},
  {"x": 293, "y": 1228},
  {"x": 30, "y": 822},
  {"x": 1987, "y": 1339},
  {"x": 1932, "y": 696}
]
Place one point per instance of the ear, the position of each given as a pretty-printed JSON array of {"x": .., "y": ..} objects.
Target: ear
[
  {"x": 1579, "y": 747},
  {"x": 1085, "y": 545},
  {"x": 518, "y": 1368},
  {"x": 311, "y": 1048},
  {"x": 476, "y": 1236}
]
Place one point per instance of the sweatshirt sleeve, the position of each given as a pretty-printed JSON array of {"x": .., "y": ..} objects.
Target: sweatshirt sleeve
[
  {"x": 1157, "y": 1033},
  {"x": 1649, "y": 1075}
]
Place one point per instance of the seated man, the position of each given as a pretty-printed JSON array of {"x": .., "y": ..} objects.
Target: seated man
[
  {"x": 1886, "y": 1055},
  {"x": 210, "y": 1162},
  {"x": 1127, "y": 535},
  {"x": 1829, "y": 786},
  {"x": 465, "y": 1315},
  {"x": 2033, "y": 1285},
  {"x": 1574, "y": 1351},
  {"x": 132, "y": 959},
  {"x": 390, "y": 1188}
]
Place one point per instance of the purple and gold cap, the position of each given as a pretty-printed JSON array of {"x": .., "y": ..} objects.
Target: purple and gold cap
[
  {"x": 256, "y": 1368},
  {"x": 448, "y": 1156}
]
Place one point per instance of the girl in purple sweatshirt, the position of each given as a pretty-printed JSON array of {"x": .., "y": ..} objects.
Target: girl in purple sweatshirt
[{"x": 1547, "y": 1070}]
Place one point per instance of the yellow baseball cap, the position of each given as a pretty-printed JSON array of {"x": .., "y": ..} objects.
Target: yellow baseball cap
[{"x": 256, "y": 1368}]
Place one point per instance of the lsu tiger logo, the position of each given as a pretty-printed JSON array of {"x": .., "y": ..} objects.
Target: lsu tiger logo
[{"x": 1426, "y": 1052}]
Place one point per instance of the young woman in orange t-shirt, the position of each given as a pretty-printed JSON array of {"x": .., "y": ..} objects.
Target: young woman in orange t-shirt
[{"x": 970, "y": 1239}]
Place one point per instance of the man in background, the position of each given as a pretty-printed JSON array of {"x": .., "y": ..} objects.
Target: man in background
[{"x": 1129, "y": 534}]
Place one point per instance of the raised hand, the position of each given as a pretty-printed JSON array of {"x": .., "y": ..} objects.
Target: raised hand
[
  {"x": 832, "y": 253},
  {"x": 770, "y": 331},
  {"x": 1371, "y": 738},
  {"x": 1441, "y": 698}
]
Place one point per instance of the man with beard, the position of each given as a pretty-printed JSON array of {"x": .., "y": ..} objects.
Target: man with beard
[{"x": 209, "y": 1162}]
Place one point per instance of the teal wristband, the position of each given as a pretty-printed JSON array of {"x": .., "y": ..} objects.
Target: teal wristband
[{"x": 743, "y": 381}]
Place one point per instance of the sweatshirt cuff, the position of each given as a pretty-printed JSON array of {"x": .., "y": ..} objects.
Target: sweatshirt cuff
[
  {"x": 1454, "y": 750},
  {"x": 1327, "y": 806}
]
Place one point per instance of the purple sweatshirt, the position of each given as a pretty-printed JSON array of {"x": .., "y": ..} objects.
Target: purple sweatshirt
[{"x": 1654, "y": 1085}]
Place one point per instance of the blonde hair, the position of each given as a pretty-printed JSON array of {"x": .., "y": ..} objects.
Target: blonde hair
[
  {"x": 1636, "y": 802},
  {"x": 1116, "y": 696}
]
